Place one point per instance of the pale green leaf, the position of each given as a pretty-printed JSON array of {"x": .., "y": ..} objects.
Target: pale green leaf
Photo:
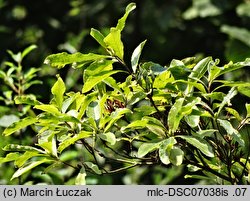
[
  {"x": 58, "y": 91},
  {"x": 21, "y": 148},
  {"x": 135, "y": 124},
  {"x": 206, "y": 133},
  {"x": 114, "y": 43},
  {"x": 26, "y": 156},
  {"x": 165, "y": 149},
  {"x": 16, "y": 126},
  {"x": 192, "y": 120},
  {"x": 176, "y": 156},
  {"x": 136, "y": 56},
  {"x": 248, "y": 109},
  {"x": 98, "y": 37},
  {"x": 81, "y": 177},
  {"x": 61, "y": 59},
  {"x": 109, "y": 137},
  {"x": 200, "y": 144},
  {"x": 27, "y": 168},
  {"x": 27, "y": 99},
  {"x": 95, "y": 79},
  {"x": 48, "y": 108},
  {"x": 85, "y": 103},
  {"x": 7, "y": 120},
  {"x": 28, "y": 50},
  {"x": 234, "y": 113},
  {"x": 174, "y": 116},
  {"x": 121, "y": 22},
  {"x": 9, "y": 157},
  {"x": 245, "y": 90},
  {"x": 146, "y": 148}
]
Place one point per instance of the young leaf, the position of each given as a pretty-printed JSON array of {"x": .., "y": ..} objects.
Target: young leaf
[
  {"x": 114, "y": 43},
  {"x": 121, "y": 22},
  {"x": 136, "y": 56},
  {"x": 200, "y": 144},
  {"x": 27, "y": 99},
  {"x": 9, "y": 157},
  {"x": 28, "y": 50},
  {"x": 27, "y": 168},
  {"x": 80, "y": 178},
  {"x": 145, "y": 148},
  {"x": 98, "y": 37},
  {"x": 48, "y": 108},
  {"x": 19, "y": 125},
  {"x": 61, "y": 59},
  {"x": 58, "y": 91},
  {"x": 21, "y": 148}
]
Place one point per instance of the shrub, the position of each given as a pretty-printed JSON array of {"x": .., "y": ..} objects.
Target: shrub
[{"x": 181, "y": 114}]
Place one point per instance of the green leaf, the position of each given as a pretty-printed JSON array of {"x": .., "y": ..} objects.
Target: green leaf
[
  {"x": 66, "y": 143},
  {"x": 121, "y": 22},
  {"x": 205, "y": 133},
  {"x": 200, "y": 68},
  {"x": 7, "y": 120},
  {"x": 176, "y": 156},
  {"x": 9, "y": 157},
  {"x": 244, "y": 90},
  {"x": 28, "y": 50},
  {"x": 115, "y": 116},
  {"x": 136, "y": 55},
  {"x": 85, "y": 103},
  {"x": 193, "y": 120},
  {"x": 48, "y": 108},
  {"x": 95, "y": 79},
  {"x": 93, "y": 167},
  {"x": 114, "y": 43},
  {"x": 135, "y": 124},
  {"x": 19, "y": 125},
  {"x": 165, "y": 149},
  {"x": 81, "y": 177},
  {"x": 26, "y": 156},
  {"x": 61, "y": 59},
  {"x": 27, "y": 168},
  {"x": 27, "y": 99},
  {"x": 98, "y": 37},
  {"x": 200, "y": 144},
  {"x": 248, "y": 109},
  {"x": 58, "y": 91},
  {"x": 136, "y": 97},
  {"x": 109, "y": 137},
  {"x": 20, "y": 148},
  {"x": 234, "y": 113},
  {"x": 226, "y": 100},
  {"x": 145, "y": 148},
  {"x": 175, "y": 116},
  {"x": 231, "y": 131}
]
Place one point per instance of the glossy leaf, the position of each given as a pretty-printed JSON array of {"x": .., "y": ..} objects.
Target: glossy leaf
[
  {"x": 29, "y": 167},
  {"x": 21, "y": 148},
  {"x": 200, "y": 144},
  {"x": 248, "y": 109},
  {"x": 26, "y": 156},
  {"x": 9, "y": 157},
  {"x": 28, "y": 50},
  {"x": 114, "y": 43},
  {"x": 58, "y": 91},
  {"x": 245, "y": 90},
  {"x": 136, "y": 56},
  {"x": 165, "y": 149},
  {"x": 16, "y": 126},
  {"x": 27, "y": 99},
  {"x": 121, "y": 22}
]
